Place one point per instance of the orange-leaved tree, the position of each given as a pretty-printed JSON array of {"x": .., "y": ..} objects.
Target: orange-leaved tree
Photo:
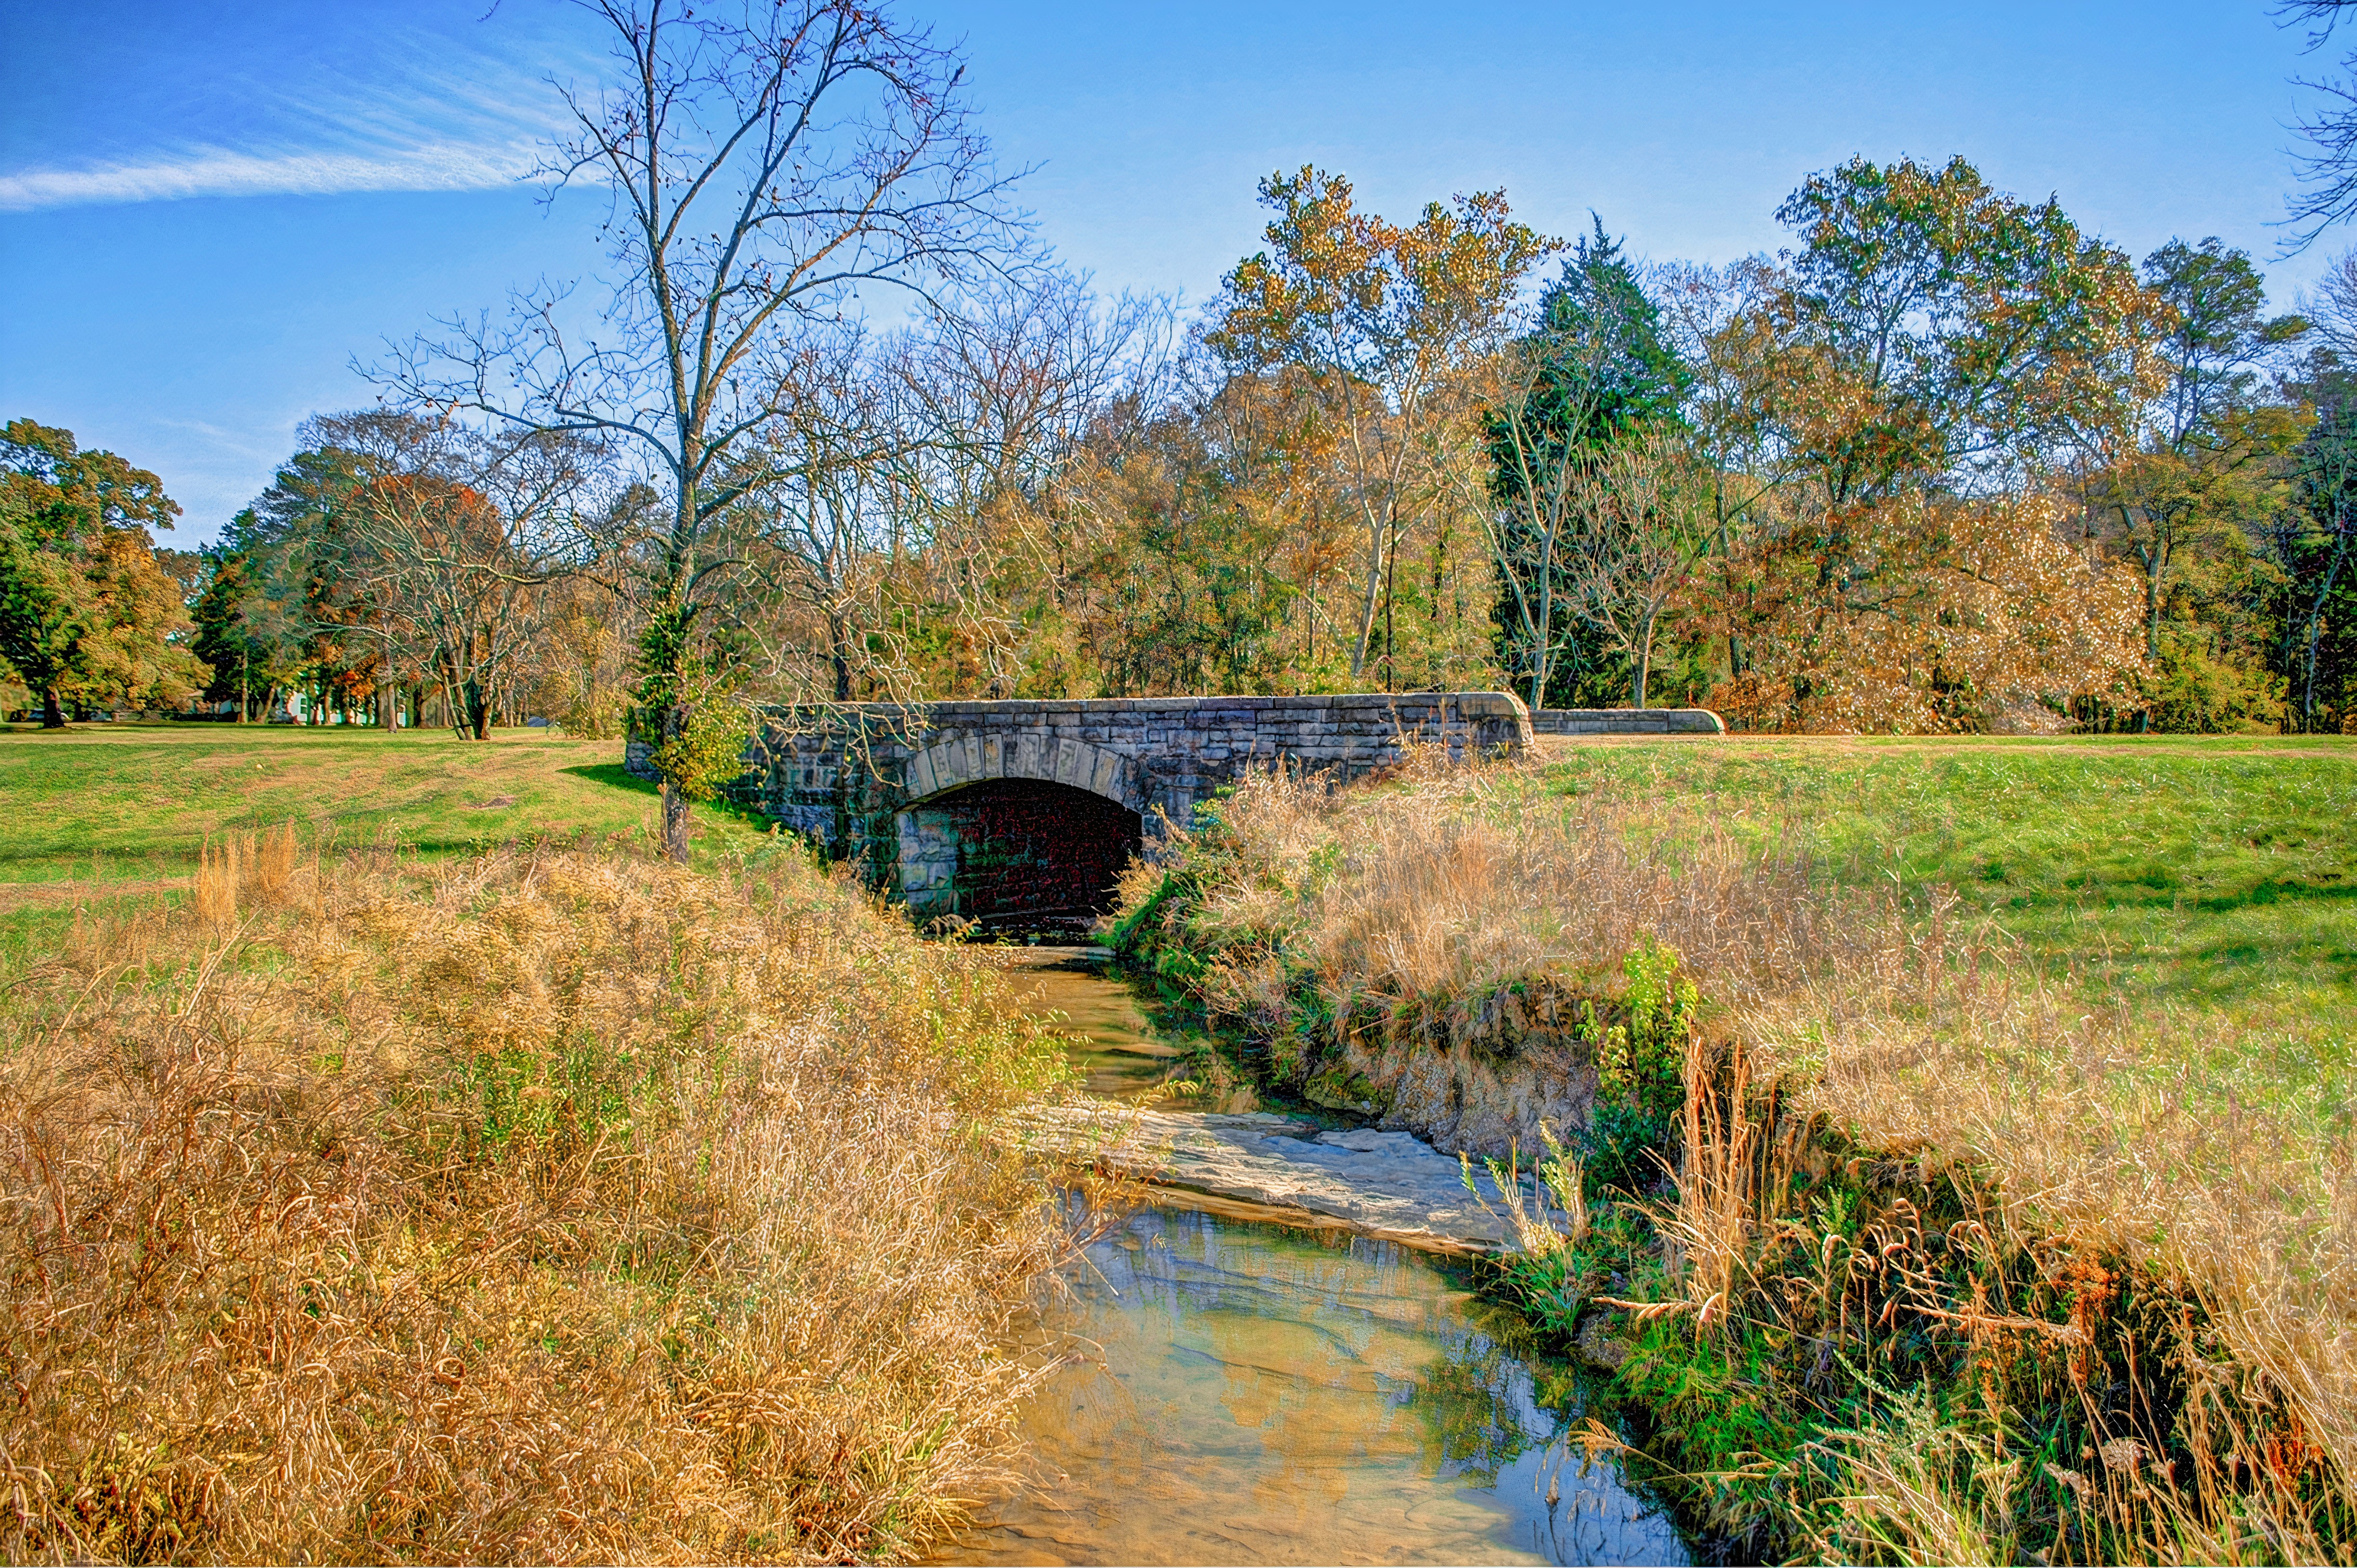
[
  {"x": 1978, "y": 603},
  {"x": 1939, "y": 350},
  {"x": 1396, "y": 325}
]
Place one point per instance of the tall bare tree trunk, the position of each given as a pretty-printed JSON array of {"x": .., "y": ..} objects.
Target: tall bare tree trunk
[
  {"x": 1373, "y": 599},
  {"x": 479, "y": 711},
  {"x": 1391, "y": 586},
  {"x": 1543, "y": 652},
  {"x": 839, "y": 651}
]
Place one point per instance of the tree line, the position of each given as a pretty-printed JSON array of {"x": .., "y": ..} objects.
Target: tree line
[{"x": 841, "y": 432}]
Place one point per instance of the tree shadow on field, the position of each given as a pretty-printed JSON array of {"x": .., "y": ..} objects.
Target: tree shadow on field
[
  {"x": 615, "y": 776},
  {"x": 2272, "y": 892}
]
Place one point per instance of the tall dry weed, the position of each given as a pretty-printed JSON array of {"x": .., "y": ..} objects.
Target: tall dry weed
[
  {"x": 240, "y": 870},
  {"x": 531, "y": 1206},
  {"x": 1708, "y": 1230}
]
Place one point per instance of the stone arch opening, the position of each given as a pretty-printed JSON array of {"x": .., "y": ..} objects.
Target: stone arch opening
[
  {"x": 978, "y": 757},
  {"x": 1016, "y": 852}
]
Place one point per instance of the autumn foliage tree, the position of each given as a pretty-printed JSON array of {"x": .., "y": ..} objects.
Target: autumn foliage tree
[
  {"x": 1945, "y": 463},
  {"x": 1218, "y": 544},
  {"x": 1396, "y": 325},
  {"x": 87, "y": 615},
  {"x": 1937, "y": 348},
  {"x": 2181, "y": 481}
]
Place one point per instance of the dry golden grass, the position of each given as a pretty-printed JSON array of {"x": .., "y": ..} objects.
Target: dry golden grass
[
  {"x": 1912, "y": 1038},
  {"x": 1935, "y": 1049},
  {"x": 1433, "y": 893},
  {"x": 251, "y": 868},
  {"x": 531, "y": 1206}
]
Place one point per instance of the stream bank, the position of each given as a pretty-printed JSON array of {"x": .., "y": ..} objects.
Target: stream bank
[
  {"x": 1241, "y": 1383},
  {"x": 1890, "y": 1257}
]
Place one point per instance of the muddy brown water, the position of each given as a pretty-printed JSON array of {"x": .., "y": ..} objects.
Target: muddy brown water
[{"x": 1238, "y": 1389}]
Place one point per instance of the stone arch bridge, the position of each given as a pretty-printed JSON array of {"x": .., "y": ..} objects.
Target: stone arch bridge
[{"x": 1023, "y": 814}]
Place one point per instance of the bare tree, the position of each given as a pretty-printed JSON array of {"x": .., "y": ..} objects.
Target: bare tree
[
  {"x": 2329, "y": 169},
  {"x": 1533, "y": 488},
  {"x": 999, "y": 399},
  {"x": 764, "y": 162},
  {"x": 822, "y": 528},
  {"x": 449, "y": 547},
  {"x": 1640, "y": 517}
]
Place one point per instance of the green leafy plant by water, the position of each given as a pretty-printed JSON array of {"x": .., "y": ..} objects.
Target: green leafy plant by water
[{"x": 1639, "y": 1066}]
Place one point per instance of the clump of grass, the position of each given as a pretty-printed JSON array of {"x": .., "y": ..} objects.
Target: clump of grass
[
  {"x": 1325, "y": 925},
  {"x": 243, "y": 869},
  {"x": 536, "y": 1205},
  {"x": 1423, "y": 888},
  {"x": 1939, "y": 1262}
]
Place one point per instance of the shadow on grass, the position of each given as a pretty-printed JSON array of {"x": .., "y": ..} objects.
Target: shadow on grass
[
  {"x": 615, "y": 776},
  {"x": 2272, "y": 892}
]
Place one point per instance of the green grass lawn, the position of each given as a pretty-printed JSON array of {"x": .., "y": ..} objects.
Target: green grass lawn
[
  {"x": 104, "y": 812},
  {"x": 2208, "y": 877},
  {"x": 2211, "y": 879}
]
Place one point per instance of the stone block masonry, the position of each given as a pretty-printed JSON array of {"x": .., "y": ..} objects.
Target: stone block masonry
[
  {"x": 1026, "y": 811},
  {"x": 1626, "y": 721}
]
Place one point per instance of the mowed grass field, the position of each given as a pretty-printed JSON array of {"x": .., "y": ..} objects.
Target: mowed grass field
[
  {"x": 2200, "y": 875},
  {"x": 2208, "y": 884},
  {"x": 98, "y": 814}
]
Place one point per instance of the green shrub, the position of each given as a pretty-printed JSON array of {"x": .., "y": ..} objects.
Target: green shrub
[{"x": 1639, "y": 1069}]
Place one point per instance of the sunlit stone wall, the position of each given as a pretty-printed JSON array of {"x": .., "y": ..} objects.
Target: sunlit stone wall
[{"x": 846, "y": 776}]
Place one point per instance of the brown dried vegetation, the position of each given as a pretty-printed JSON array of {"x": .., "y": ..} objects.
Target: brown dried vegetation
[
  {"x": 1904, "y": 1154},
  {"x": 540, "y": 1206}
]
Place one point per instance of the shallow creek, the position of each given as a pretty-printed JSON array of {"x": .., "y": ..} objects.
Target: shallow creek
[{"x": 1238, "y": 1389}]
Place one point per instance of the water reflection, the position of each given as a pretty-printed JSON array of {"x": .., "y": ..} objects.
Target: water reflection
[
  {"x": 1113, "y": 1045},
  {"x": 1249, "y": 1393}
]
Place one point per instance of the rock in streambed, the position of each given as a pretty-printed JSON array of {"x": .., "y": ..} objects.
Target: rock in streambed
[{"x": 1392, "y": 1185}]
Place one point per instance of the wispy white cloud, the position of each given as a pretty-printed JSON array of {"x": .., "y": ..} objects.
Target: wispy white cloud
[
  {"x": 418, "y": 112},
  {"x": 220, "y": 171}
]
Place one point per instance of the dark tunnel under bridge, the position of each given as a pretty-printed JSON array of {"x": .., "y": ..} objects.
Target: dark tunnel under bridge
[{"x": 1025, "y": 855}]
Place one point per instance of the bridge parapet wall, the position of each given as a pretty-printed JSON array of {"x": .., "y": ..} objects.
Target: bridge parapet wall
[{"x": 1626, "y": 721}]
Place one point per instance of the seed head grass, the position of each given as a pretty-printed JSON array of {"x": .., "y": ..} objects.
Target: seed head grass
[{"x": 533, "y": 1205}]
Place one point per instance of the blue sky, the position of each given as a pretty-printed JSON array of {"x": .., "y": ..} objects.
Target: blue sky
[{"x": 207, "y": 212}]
